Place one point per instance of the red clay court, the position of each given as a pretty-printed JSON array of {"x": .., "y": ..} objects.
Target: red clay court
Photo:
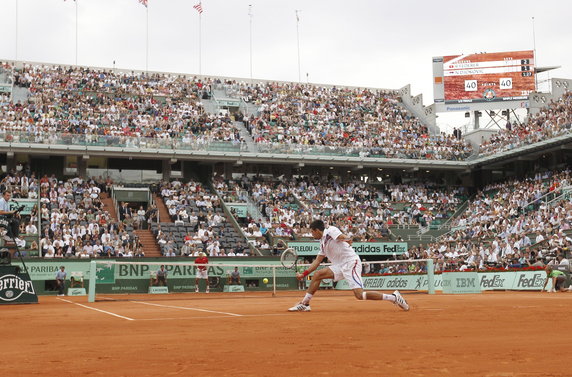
[{"x": 251, "y": 334}]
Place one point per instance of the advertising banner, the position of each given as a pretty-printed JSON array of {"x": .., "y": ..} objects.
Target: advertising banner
[
  {"x": 41, "y": 270},
  {"x": 389, "y": 282},
  {"x": 27, "y": 203},
  {"x": 362, "y": 248},
  {"x": 460, "y": 282},
  {"x": 240, "y": 209},
  {"x": 135, "y": 277},
  {"x": 487, "y": 281},
  {"x": 16, "y": 286}
]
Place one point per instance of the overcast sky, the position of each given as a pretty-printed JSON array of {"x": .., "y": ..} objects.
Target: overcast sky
[{"x": 374, "y": 43}]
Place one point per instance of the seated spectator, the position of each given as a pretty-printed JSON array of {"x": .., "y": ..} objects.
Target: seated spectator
[{"x": 235, "y": 277}]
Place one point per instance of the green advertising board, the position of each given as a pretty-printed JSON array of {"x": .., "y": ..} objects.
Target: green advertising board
[
  {"x": 105, "y": 274},
  {"x": 132, "y": 278},
  {"x": 228, "y": 102},
  {"x": 135, "y": 278},
  {"x": 27, "y": 203},
  {"x": 108, "y": 273},
  {"x": 240, "y": 209},
  {"x": 362, "y": 248},
  {"x": 461, "y": 282},
  {"x": 486, "y": 281}
]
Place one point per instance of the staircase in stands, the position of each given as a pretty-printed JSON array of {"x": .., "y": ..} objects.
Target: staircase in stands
[
  {"x": 164, "y": 216},
  {"x": 149, "y": 242},
  {"x": 146, "y": 237}
]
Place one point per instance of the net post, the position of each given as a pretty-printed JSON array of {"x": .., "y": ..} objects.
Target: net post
[
  {"x": 273, "y": 281},
  {"x": 92, "y": 279},
  {"x": 430, "y": 277}
]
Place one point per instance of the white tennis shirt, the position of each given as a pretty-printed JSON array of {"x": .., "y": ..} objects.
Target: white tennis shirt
[{"x": 338, "y": 252}]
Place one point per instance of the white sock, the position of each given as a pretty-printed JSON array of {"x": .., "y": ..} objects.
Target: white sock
[
  {"x": 388, "y": 297},
  {"x": 306, "y": 299}
]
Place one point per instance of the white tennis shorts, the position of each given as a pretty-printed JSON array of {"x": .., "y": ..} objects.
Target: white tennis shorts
[
  {"x": 202, "y": 274},
  {"x": 351, "y": 271}
]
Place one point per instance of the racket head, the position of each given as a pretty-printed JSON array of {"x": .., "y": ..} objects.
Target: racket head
[{"x": 289, "y": 258}]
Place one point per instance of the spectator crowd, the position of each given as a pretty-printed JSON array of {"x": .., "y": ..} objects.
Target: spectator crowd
[{"x": 553, "y": 120}]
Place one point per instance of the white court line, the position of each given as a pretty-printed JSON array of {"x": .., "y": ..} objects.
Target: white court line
[
  {"x": 210, "y": 317},
  {"x": 97, "y": 310},
  {"x": 186, "y": 308}
]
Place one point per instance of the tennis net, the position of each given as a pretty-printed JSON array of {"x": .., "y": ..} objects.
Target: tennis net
[{"x": 135, "y": 277}]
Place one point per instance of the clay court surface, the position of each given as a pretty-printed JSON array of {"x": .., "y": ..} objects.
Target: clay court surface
[{"x": 251, "y": 334}]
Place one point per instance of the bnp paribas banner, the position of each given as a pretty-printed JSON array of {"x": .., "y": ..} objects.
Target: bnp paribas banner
[
  {"x": 362, "y": 248},
  {"x": 108, "y": 272},
  {"x": 42, "y": 270}
]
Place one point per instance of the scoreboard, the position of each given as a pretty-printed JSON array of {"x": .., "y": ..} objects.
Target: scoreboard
[{"x": 486, "y": 77}]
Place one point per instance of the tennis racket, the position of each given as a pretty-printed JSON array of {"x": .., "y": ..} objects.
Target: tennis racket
[{"x": 289, "y": 258}]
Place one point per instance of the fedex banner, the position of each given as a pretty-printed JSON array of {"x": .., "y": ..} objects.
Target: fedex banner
[
  {"x": 362, "y": 248},
  {"x": 488, "y": 281}
]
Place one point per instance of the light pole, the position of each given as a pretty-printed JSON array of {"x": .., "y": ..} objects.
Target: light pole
[{"x": 250, "y": 15}]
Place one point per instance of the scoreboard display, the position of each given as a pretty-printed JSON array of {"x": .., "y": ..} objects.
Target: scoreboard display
[{"x": 486, "y": 77}]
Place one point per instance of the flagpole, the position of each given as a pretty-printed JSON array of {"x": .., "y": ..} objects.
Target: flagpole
[
  {"x": 298, "y": 39},
  {"x": 200, "y": 47},
  {"x": 76, "y": 32},
  {"x": 147, "y": 41},
  {"x": 16, "y": 30},
  {"x": 535, "y": 59},
  {"x": 250, "y": 15}
]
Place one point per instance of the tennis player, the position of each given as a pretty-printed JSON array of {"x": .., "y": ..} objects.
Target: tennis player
[
  {"x": 201, "y": 271},
  {"x": 345, "y": 265}
]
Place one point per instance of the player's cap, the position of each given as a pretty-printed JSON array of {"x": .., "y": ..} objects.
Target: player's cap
[{"x": 202, "y": 254}]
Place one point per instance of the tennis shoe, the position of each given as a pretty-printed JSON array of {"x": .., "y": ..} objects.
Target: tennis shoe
[
  {"x": 400, "y": 301},
  {"x": 299, "y": 307}
]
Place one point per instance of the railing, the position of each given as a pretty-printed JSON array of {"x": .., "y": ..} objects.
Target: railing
[
  {"x": 421, "y": 237},
  {"x": 233, "y": 219},
  {"x": 191, "y": 143},
  {"x": 550, "y": 197},
  {"x": 403, "y": 226},
  {"x": 183, "y": 143},
  {"x": 458, "y": 211}
]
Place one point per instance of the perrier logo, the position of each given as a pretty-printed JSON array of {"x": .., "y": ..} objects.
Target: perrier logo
[{"x": 105, "y": 274}]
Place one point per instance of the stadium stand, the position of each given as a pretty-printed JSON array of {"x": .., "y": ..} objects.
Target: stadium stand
[
  {"x": 199, "y": 222},
  {"x": 553, "y": 120},
  {"x": 508, "y": 224},
  {"x": 99, "y": 108}
]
